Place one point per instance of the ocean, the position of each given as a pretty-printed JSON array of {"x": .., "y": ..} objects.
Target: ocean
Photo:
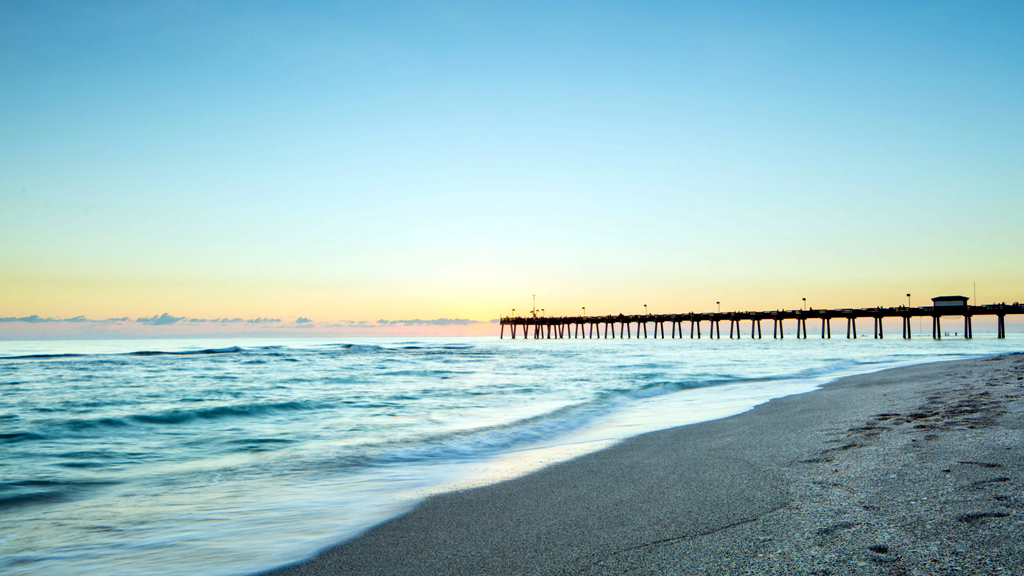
[{"x": 232, "y": 456}]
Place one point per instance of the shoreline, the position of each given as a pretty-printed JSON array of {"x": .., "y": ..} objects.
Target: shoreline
[
  {"x": 590, "y": 439},
  {"x": 856, "y": 476}
]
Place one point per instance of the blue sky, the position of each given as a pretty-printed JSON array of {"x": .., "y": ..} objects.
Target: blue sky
[{"x": 445, "y": 160}]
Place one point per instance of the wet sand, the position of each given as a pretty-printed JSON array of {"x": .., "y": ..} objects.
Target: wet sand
[{"x": 915, "y": 470}]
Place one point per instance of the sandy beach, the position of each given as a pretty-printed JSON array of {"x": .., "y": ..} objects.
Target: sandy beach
[{"x": 914, "y": 470}]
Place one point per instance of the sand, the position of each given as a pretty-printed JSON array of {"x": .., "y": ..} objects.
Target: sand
[{"x": 914, "y": 470}]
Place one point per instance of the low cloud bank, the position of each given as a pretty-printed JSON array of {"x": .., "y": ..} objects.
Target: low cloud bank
[
  {"x": 302, "y": 322},
  {"x": 34, "y": 319},
  {"x": 233, "y": 320},
  {"x": 164, "y": 319},
  {"x": 434, "y": 322}
]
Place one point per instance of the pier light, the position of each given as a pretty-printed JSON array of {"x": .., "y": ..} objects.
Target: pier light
[
  {"x": 541, "y": 312},
  {"x": 584, "y": 311},
  {"x": 805, "y": 303},
  {"x": 645, "y": 310},
  {"x": 719, "y": 306},
  {"x": 513, "y": 312},
  {"x": 908, "y": 300}
]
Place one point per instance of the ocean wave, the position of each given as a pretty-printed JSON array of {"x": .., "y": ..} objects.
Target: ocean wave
[
  {"x": 478, "y": 442},
  {"x": 83, "y": 464},
  {"x": 260, "y": 444},
  {"x": 425, "y": 373},
  {"x": 140, "y": 353},
  {"x": 353, "y": 347},
  {"x": 262, "y": 353},
  {"x": 11, "y": 437},
  {"x": 22, "y": 493},
  {"x": 84, "y": 454},
  {"x": 228, "y": 411},
  {"x": 263, "y": 441},
  {"x": 186, "y": 415},
  {"x": 43, "y": 497},
  {"x": 432, "y": 346},
  {"x": 204, "y": 352},
  {"x": 42, "y": 356},
  {"x": 484, "y": 441}
]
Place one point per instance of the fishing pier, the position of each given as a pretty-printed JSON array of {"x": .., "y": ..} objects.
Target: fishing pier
[{"x": 561, "y": 327}]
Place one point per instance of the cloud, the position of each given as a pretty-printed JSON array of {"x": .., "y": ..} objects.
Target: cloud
[
  {"x": 33, "y": 319},
  {"x": 434, "y": 322},
  {"x": 164, "y": 319},
  {"x": 351, "y": 324},
  {"x": 257, "y": 320}
]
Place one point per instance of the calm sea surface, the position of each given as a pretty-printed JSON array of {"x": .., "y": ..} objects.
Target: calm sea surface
[{"x": 225, "y": 457}]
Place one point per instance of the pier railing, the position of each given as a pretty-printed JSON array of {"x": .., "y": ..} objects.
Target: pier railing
[{"x": 556, "y": 327}]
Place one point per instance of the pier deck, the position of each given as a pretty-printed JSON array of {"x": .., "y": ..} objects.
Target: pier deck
[{"x": 557, "y": 327}]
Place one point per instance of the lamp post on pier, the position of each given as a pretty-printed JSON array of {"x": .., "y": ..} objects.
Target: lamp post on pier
[
  {"x": 645, "y": 310},
  {"x": 584, "y": 311},
  {"x": 719, "y": 305},
  {"x": 805, "y": 303}
]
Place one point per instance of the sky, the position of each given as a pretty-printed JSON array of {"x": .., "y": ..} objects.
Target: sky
[{"x": 426, "y": 167}]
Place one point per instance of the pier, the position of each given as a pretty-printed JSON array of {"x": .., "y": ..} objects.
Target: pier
[{"x": 626, "y": 326}]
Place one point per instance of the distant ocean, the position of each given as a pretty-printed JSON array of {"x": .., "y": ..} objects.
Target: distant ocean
[{"x": 226, "y": 457}]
